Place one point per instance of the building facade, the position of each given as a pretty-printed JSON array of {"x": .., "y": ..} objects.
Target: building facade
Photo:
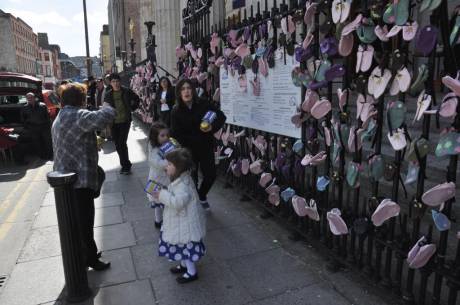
[
  {"x": 167, "y": 16},
  {"x": 19, "y": 46},
  {"x": 122, "y": 13},
  {"x": 106, "y": 63},
  {"x": 80, "y": 63},
  {"x": 48, "y": 71},
  {"x": 49, "y": 59}
]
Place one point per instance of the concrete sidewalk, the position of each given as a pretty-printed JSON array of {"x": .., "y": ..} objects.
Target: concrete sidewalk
[{"x": 249, "y": 261}]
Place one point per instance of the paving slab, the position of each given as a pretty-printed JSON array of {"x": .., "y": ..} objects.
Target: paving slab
[
  {"x": 316, "y": 294},
  {"x": 34, "y": 282},
  {"x": 147, "y": 262},
  {"x": 216, "y": 285},
  {"x": 46, "y": 217},
  {"x": 104, "y": 216},
  {"x": 225, "y": 216},
  {"x": 272, "y": 272},
  {"x": 49, "y": 199},
  {"x": 42, "y": 243},
  {"x": 132, "y": 293},
  {"x": 145, "y": 231},
  {"x": 109, "y": 199},
  {"x": 135, "y": 198},
  {"x": 121, "y": 269},
  {"x": 114, "y": 236},
  {"x": 121, "y": 186},
  {"x": 139, "y": 212},
  {"x": 12, "y": 244},
  {"x": 235, "y": 241},
  {"x": 107, "y": 216}
]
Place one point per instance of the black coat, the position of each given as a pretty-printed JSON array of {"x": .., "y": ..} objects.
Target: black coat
[
  {"x": 36, "y": 115},
  {"x": 130, "y": 99},
  {"x": 185, "y": 126}
]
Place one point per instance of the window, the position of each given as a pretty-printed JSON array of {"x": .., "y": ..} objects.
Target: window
[
  {"x": 54, "y": 99},
  {"x": 13, "y": 100},
  {"x": 47, "y": 56}
]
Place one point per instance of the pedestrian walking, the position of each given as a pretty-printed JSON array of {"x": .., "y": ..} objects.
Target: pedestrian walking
[
  {"x": 186, "y": 126},
  {"x": 158, "y": 135},
  {"x": 164, "y": 100},
  {"x": 124, "y": 100},
  {"x": 183, "y": 229},
  {"x": 99, "y": 95},
  {"x": 75, "y": 150}
]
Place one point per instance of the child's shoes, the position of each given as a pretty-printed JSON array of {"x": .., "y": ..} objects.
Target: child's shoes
[
  {"x": 178, "y": 269},
  {"x": 187, "y": 278}
]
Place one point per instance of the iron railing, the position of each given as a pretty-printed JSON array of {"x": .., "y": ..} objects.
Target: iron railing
[{"x": 377, "y": 252}]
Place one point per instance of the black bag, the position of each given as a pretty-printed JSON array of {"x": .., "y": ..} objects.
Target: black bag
[{"x": 100, "y": 181}]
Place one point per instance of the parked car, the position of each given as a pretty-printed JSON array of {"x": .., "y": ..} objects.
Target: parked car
[
  {"x": 53, "y": 103},
  {"x": 13, "y": 90}
]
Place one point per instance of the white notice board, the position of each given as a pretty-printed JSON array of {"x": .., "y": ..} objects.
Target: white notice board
[{"x": 273, "y": 109}]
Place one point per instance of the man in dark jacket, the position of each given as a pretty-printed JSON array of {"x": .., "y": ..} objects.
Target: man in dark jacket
[
  {"x": 124, "y": 100},
  {"x": 186, "y": 118},
  {"x": 37, "y": 126}
]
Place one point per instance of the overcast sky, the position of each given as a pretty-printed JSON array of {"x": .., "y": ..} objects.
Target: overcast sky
[{"x": 63, "y": 21}]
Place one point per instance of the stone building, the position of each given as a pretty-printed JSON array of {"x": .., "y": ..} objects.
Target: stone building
[
  {"x": 167, "y": 15},
  {"x": 105, "y": 48},
  {"x": 121, "y": 14},
  {"x": 49, "y": 58},
  {"x": 18, "y": 45}
]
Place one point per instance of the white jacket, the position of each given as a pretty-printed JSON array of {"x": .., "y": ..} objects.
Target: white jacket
[
  {"x": 157, "y": 169},
  {"x": 183, "y": 217}
]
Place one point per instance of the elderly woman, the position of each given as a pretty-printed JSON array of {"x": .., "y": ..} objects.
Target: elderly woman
[
  {"x": 186, "y": 118},
  {"x": 75, "y": 150}
]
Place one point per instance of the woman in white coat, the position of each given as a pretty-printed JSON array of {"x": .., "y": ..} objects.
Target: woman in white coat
[
  {"x": 184, "y": 227},
  {"x": 158, "y": 135}
]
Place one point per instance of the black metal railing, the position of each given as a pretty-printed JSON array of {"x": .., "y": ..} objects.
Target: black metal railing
[{"x": 377, "y": 252}]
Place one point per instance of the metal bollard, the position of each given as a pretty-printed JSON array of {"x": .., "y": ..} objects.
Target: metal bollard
[{"x": 76, "y": 278}]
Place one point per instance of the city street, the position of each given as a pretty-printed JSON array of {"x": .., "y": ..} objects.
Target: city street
[{"x": 249, "y": 260}]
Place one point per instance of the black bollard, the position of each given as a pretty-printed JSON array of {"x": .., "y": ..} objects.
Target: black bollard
[{"x": 76, "y": 279}]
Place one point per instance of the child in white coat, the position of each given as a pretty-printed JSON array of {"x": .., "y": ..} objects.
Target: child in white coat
[
  {"x": 184, "y": 227},
  {"x": 158, "y": 135}
]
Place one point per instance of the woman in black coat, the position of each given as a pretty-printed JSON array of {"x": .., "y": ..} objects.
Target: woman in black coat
[
  {"x": 164, "y": 100},
  {"x": 186, "y": 118}
]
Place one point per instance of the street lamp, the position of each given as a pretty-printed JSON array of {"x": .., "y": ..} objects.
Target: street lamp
[
  {"x": 150, "y": 44},
  {"x": 88, "y": 59},
  {"x": 133, "y": 53},
  {"x": 132, "y": 43}
]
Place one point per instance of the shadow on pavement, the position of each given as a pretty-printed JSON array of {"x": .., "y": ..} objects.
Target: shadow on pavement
[{"x": 12, "y": 172}]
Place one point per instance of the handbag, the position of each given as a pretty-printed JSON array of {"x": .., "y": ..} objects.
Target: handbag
[{"x": 100, "y": 181}]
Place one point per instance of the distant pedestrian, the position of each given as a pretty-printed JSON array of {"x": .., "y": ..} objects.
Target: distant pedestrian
[
  {"x": 165, "y": 99},
  {"x": 100, "y": 90},
  {"x": 158, "y": 135},
  {"x": 37, "y": 126},
  {"x": 184, "y": 227},
  {"x": 91, "y": 94},
  {"x": 75, "y": 150},
  {"x": 124, "y": 100},
  {"x": 186, "y": 118}
]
